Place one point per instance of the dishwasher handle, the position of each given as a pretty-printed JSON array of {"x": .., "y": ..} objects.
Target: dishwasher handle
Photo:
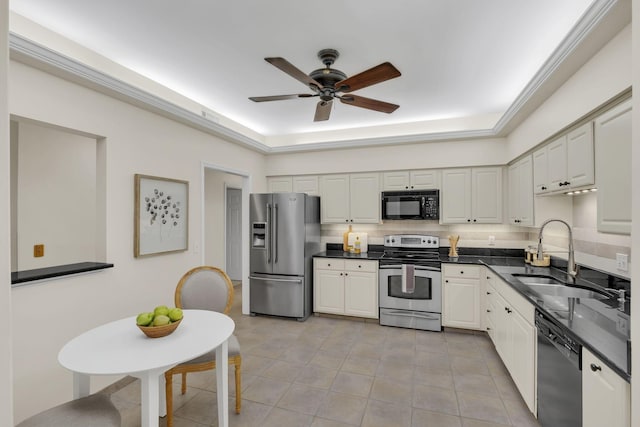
[{"x": 551, "y": 333}]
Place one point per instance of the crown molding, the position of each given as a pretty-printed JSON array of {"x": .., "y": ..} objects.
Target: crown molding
[
  {"x": 592, "y": 17},
  {"x": 31, "y": 53}
]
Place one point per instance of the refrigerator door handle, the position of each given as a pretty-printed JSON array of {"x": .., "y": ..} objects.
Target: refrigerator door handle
[
  {"x": 275, "y": 232},
  {"x": 268, "y": 242},
  {"x": 275, "y": 280}
]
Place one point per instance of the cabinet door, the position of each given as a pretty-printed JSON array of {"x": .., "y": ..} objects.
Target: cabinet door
[
  {"x": 424, "y": 180},
  {"x": 580, "y": 167},
  {"x": 605, "y": 396},
  {"x": 540, "y": 171},
  {"x": 521, "y": 192},
  {"x": 306, "y": 184},
  {"x": 456, "y": 196},
  {"x": 361, "y": 294},
  {"x": 486, "y": 195},
  {"x": 280, "y": 184},
  {"x": 461, "y": 303},
  {"x": 613, "y": 169},
  {"x": 365, "y": 198},
  {"x": 522, "y": 362},
  {"x": 395, "y": 181},
  {"x": 334, "y": 193},
  {"x": 557, "y": 163},
  {"x": 328, "y": 289}
]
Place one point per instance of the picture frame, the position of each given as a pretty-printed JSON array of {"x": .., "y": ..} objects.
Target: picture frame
[{"x": 161, "y": 215}]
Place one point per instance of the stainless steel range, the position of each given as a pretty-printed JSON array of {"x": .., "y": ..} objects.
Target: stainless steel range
[{"x": 410, "y": 282}]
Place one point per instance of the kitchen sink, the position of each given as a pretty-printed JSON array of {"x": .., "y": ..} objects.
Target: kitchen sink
[
  {"x": 565, "y": 291},
  {"x": 546, "y": 285},
  {"x": 537, "y": 280}
]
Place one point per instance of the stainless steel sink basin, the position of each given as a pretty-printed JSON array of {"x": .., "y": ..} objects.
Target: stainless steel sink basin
[
  {"x": 565, "y": 291},
  {"x": 546, "y": 285},
  {"x": 537, "y": 280}
]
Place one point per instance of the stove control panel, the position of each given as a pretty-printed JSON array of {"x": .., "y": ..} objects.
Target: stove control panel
[{"x": 411, "y": 241}]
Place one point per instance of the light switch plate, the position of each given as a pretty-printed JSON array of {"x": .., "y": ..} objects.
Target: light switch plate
[{"x": 622, "y": 262}]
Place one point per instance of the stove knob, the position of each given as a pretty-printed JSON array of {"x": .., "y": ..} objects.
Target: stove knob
[{"x": 429, "y": 242}]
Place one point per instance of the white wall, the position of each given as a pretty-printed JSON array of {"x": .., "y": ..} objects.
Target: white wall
[
  {"x": 635, "y": 235},
  {"x": 416, "y": 156},
  {"x": 6, "y": 349},
  {"x": 48, "y": 314},
  {"x": 56, "y": 197}
]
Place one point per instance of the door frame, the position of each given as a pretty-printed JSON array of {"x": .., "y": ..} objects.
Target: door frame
[
  {"x": 246, "y": 189},
  {"x": 228, "y": 187}
]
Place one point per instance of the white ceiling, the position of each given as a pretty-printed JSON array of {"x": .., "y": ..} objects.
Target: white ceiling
[{"x": 463, "y": 62}]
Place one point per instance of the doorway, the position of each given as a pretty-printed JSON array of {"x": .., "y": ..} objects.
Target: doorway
[{"x": 233, "y": 237}]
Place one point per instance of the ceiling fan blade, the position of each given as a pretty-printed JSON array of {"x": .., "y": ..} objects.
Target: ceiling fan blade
[
  {"x": 293, "y": 71},
  {"x": 377, "y": 74},
  {"x": 279, "y": 97},
  {"x": 323, "y": 111},
  {"x": 371, "y": 104}
]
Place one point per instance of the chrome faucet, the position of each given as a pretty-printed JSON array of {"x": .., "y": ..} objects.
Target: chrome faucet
[{"x": 572, "y": 269}]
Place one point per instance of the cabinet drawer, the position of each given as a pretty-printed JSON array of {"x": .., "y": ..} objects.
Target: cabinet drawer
[
  {"x": 461, "y": 271},
  {"x": 369, "y": 266},
  {"x": 329, "y": 263}
]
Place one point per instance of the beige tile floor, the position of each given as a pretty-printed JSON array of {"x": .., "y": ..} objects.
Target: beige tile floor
[{"x": 328, "y": 372}]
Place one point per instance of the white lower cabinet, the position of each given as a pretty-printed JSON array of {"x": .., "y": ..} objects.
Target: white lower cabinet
[
  {"x": 606, "y": 397},
  {"x": 346, "y": 287},
  {"x": 510, "y": 318},
  {"x": 462, "y": 299}
]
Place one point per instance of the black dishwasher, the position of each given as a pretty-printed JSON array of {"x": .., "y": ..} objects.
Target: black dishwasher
[{"x": 559, "y": 376}]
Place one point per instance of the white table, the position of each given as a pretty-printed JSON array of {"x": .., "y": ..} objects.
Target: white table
[{"x": 120, "y": 348}]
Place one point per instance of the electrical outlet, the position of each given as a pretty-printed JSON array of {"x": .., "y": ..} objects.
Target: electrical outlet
[
  {"x": 38, "y": 251},
  {"x": 492, "y": 240},
  {"x": 622, "y": 262}
]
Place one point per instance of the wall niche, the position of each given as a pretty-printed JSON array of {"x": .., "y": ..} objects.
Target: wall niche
[{"x": 57, "y": 198}]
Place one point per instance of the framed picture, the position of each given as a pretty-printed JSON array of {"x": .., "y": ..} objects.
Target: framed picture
[{"x": 161, "y": 215}]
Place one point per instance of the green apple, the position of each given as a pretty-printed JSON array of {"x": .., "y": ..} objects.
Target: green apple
[
  {"x": 144, "y": 319},
  {"x": 161, "y": 310},
  {"x": 175, "y": 314},
  {"x": 161, "y": 320}
]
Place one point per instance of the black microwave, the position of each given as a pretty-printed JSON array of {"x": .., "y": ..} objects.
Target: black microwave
[{"x": 422, "y": 204}]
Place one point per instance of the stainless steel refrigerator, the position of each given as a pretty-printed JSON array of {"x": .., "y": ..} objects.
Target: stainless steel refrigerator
[{"x": 285, "y": 233}]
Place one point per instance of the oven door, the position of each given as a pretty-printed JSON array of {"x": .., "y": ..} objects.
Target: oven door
[{"x": 410, "y": 287}]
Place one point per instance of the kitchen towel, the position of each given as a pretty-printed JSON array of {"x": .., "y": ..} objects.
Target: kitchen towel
[{"x": 408, "y": 279}]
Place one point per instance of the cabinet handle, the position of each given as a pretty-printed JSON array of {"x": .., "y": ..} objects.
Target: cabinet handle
[
  {"x": 341, "y": 274},
  {"x": 468, "y": 220},
  {"x": 406, "y": 187},
  {"x": 328, "y": 265},
  {"x": 461, "y": 271},
  {"x": 446, "y": 281},
  {"x": 351, "y": 220},
  {"x": 359, "y": 266},
  {"x": 412, "y": 186},
  {"x": 488, "y": 278},
  {"x": 488, "y": 328},
  {"x": 474, "y": 220},
  {"x": 488, "y": 311},
  {"x": 543, "y": 188},
  {"x": 508, "y": 310},
  {"x": 595, "y": 367},
  {"x": 346, "y": 220},
  {"x": 488, "y": 293}
]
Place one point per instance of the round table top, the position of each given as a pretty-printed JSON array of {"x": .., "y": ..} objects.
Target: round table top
[{"x": 120, "y": 347}]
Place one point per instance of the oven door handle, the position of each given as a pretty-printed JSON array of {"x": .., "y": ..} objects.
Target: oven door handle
[
  {"x": 409, "y": 313},
  {"x": 417, "y": 267}
]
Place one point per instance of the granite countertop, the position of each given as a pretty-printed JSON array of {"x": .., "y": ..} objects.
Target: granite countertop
[
  {"x": 19, "y": 278},
  {"x": 601, "y": 325}
]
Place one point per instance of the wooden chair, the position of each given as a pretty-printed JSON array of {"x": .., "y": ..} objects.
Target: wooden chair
[{"x": 204, "y": 288}]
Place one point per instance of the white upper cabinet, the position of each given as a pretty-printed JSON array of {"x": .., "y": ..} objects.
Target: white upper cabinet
[
  {"x": 472, "y": 195},
  {"x": 280, "y": 184},
  {"x": 521, "y": 192},
  {"x": 565, "y": 163},
  {"x": 410, "y": 180},
  {"x": 350, "y": 198},
  {"x": 613, "y": 164},
  {"x": 306, "y": 184},
  {"x": 580, "y": 156}
]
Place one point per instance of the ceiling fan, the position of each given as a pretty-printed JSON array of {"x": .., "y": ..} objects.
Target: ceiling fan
[{"x": 329, "y": 83}]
